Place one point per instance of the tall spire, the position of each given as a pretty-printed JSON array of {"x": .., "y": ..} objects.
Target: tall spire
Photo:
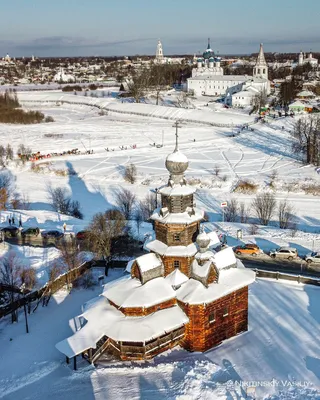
[
  {"x": 209, "y": 47},
  {"x": 261, "y": 61}
]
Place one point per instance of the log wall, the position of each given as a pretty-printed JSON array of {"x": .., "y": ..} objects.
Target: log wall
[
  {"x": 142, "y": 351},
  {"x": 177, "y": 204},
  {"x": 203, "y": 334},
  {"x": 185, "y": 264},
  {"x": 166, "y": 233},
  {"x": 141, "y": 311}
]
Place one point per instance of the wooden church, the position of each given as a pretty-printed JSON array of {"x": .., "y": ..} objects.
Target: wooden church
[{"x": 185, "y": 291}]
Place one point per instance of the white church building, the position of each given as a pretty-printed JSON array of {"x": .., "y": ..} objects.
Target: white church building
[
  {"x": 208, "y": 79},
  {"x": 303, "y": 60}
]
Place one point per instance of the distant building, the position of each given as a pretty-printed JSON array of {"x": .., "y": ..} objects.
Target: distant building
[
  {"x": 159, "y": 53},
  {"x": 61, "y": 76},
  {"x": 303, "y": 60},
  {"x": 208, "y": 79}
]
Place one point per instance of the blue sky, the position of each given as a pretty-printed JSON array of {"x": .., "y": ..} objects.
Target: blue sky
[{"x": 128, "y": 27}]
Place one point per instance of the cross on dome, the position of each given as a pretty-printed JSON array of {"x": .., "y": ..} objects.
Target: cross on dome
[{"x": 177, "y": 126}]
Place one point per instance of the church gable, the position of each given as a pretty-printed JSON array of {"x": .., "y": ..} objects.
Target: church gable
[{"x": 150, "y": 267}]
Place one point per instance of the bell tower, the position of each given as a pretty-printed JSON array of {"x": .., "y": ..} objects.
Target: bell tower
[
  {"x": 260, "y": 70},
  {"x": 177, "y": 221}
]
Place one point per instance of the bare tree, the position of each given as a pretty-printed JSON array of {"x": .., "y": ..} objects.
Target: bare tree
[
  {"x": 264, "y": 205},
  {"x": 28, "y": 277},
  {"x": 3, "y": 199},
  {"x": 61, "y": 202},
  {"x": 70, "y": 256},
  {"x": 138, "y": 84},
  {"x": 103, "y": 229},
  {"x": 285, "y": 214},
  {"x": 217, "y": 170},
  {"x": 130, "y": 173},
  {"x": 231, "y": 211},
  {"x": 125, "y": 200},
  {"x": 10, "y": 270},
  {"x": 243, "y": 212},
  {"x": 9, "y": 152},
  {"x": 307, "y": 133},
  {"x": 7, "y": 182},
  {"x": 138, "y": 217},
  {"x": 25, "y": 202},
  {"x": 259, "y": 100},
  {"x": 147, "y": 205}
]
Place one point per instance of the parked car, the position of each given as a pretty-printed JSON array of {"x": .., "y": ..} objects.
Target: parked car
[
  {"x": 82, "y": 235},
  {"x": 10, "y": 231},
  {"x": 30, "y": 232},
  {"x": 313, "y": 257},
  {"x": 248, "y": 248},
  {"x": 55, "y": 234},
  {"x": 288, "y": 253}
]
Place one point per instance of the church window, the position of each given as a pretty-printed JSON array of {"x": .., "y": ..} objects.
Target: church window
[
  {"x": 212, "y": 317},
  {"x": 259, "y": 71},
  {"x": 264, "y": 71},
  {"x": 176, "y": 237},
  {"x": 176, "y": 263},
  {"x": 225, "y": 311}
]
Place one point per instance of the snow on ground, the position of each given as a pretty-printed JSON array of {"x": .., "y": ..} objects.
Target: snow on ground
[
  {"x": 280, "y": 353},
  {"x": 92, "y": 178}
]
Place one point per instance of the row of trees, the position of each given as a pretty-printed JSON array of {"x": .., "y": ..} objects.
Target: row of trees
[
  {"x": 264, "y": 206},
  {"x": 11, "y": 113},
  {"x": 306, "y": 133},
  {"x": 156, "y": 78}
]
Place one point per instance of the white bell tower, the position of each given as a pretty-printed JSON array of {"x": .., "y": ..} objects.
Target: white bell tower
[
  {"x": 159, "y": 53},
  {"x": 260, "y": 70}
]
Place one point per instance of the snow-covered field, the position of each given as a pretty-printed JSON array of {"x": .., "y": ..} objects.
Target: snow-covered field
[
  {"x": 92, "y": 178},
  {"x": 279, "y": 354}
]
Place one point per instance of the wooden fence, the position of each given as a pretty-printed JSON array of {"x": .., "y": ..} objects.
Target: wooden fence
[
  {"x": 51, "y": 287},
  {"x": 289, "y": 277}
]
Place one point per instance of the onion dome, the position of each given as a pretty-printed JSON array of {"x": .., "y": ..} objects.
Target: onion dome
[
  {"x": 199, "y": 59},
  {"x": 208, "y": 52},
  {"x": 203, "y": 241},
  {"x": 211, "y": 59},
  {"x": 177, "y": 163}
]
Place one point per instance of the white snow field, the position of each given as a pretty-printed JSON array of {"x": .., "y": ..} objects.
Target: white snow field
[{"x": 279, "y": 355}]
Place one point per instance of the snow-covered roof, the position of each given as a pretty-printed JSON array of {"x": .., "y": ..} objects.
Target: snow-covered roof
[
  {"x": 132, "y": 293},
  {"x": 220, "y": 78},
  {"x": 297, "y": 104},
  {"x": 178, "y": 218},
  {"x": 201, "y": 270},
  {"x": 225, "y": 258},
  {"x": 177, "y": 190},
  {"x": 194, "y": 292},
  {"x": 214, "y": 240},
  {"x": 148, "y": 261},
  {"x": 179, "y": 251},
  {"x": 176, "y": 278},
  {"x": 129, "y": 265},
  {"x": 306, "y": 93},
  {"x": 206, "y": 255},
  {"x": 106, "y": 320}
]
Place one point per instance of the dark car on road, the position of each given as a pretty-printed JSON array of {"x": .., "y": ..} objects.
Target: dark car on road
[
  {"x": 10, "y": 231},
  {"x": 30, "y": 232},
  {"x": 52, "y": 234}
]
